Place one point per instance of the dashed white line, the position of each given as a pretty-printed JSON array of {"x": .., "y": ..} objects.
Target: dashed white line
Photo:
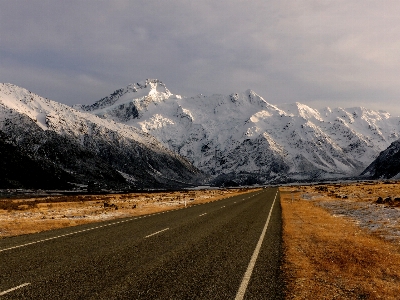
[
  {"x": 249, "y": 271},
  {"x": 156, "y": 233},
  {"x": 202, "y": 215},
  {"x": 14, "y": 288}
]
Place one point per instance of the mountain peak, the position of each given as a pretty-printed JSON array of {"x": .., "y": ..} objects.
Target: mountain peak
[
  {"x": 300, "y": 109},
  {"x": 149, "y": 90},
  {"x": 150, "y": 85}
]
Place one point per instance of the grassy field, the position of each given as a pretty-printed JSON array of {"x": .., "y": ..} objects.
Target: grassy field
[{"x": 330, "y": 256}]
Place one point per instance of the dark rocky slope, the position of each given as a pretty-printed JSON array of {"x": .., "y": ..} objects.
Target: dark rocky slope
[{"x": 386, "y": 165}]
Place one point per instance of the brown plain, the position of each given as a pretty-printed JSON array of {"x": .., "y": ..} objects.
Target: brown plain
[{"x": 330, "y": 257}]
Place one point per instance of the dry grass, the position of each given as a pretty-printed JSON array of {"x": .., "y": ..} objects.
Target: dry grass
[
  {"x": 357, "y": 192},
  {"x": 24, "y": 216},
  {"x": 329, "y": 257},
  {"x": 374, "y": 206}
]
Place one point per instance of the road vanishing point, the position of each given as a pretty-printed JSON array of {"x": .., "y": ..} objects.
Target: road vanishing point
[{"x": 227, "y": 249}]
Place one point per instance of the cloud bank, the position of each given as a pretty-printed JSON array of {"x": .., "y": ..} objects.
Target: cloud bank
[{"x": 321, "y": 53}]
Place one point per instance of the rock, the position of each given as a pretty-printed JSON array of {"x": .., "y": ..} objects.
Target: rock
[
  {"x": 321, "y": 188},
  {"x": 388, "y": 200}
]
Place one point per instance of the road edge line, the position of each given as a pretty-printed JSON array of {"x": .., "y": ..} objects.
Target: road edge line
[
  {"x": 249, "y": 271},
  {"x": 14, "y": 288}
]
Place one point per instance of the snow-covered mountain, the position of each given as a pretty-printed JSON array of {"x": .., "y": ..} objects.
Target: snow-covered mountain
[
  {"x": 86, "y": 147},
  {"x": 242, "y": 137}
]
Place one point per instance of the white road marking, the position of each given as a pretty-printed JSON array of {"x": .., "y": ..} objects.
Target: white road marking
[
  {"x": 156, "y": 233},
  {"x": 202, "y": 215},
  {"x": 13, "y": 289},
  {"x": 249, "y": 271}
]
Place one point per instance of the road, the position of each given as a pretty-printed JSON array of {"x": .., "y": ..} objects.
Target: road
[{"x": 199, "y": 252}]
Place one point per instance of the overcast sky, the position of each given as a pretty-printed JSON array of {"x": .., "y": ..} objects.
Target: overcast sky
[{"x": 320, "y": 53}]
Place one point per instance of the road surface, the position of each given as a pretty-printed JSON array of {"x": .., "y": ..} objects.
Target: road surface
[{"x": 227, "y": 249}]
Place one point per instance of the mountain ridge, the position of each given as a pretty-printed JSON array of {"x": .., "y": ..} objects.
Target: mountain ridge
[{"x": 386, "y": 165}]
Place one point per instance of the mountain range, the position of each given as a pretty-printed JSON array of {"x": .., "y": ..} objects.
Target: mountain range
[
  {"x": 242, "y": 138},
  {"x": 143, "y": 136}
]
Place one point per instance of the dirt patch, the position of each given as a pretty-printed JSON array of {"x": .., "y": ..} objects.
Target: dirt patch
[
  {"x": 329, "y": 255},
  {"x": 23, "y": 216}
]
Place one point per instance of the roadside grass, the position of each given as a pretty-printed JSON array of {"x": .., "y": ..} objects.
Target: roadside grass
[
  {"x": 12, "y": 205},
  {"x": 25, "y": 216},
  {"x": 328, "y": 257}
]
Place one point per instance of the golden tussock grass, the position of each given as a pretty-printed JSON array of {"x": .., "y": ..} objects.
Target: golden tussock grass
[{"x": 327, "y": 257}]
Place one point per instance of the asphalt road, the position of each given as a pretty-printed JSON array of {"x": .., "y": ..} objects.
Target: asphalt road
[{"x": 199, "y": 252}]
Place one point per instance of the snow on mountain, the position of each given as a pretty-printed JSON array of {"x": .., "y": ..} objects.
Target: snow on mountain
[
  {"x": 81, "y": 142},
  {"x": 122, "y": 106},
  {"x": 242, "y": 137}
]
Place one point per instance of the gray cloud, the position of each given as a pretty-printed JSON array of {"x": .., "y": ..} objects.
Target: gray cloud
[{"x": 321, "y": 53}]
